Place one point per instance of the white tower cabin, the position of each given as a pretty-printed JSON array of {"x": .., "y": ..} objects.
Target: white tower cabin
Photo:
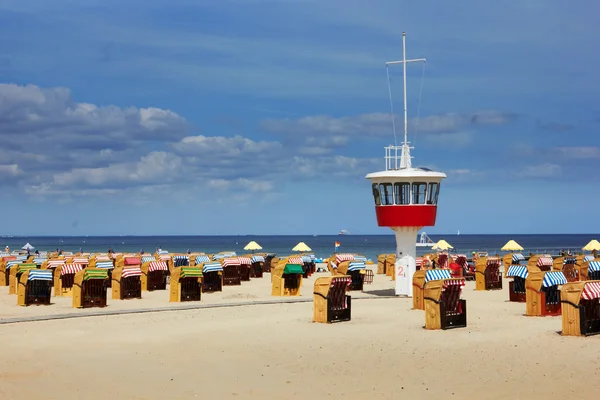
[{"x": 406, "y": 198}]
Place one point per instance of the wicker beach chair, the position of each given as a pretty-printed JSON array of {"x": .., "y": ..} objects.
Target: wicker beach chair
[
  {"x": 330, "y": 301},
  {"x": 444, "y": 309},
  {"x": 580, "y": 303}
]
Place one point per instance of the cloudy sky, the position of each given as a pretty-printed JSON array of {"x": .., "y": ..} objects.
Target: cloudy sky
[{"x": 263, "y": 116}]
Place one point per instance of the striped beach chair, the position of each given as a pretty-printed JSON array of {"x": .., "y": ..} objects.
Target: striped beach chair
[
  {"x": 154, "y": 275},
  {"x": 487, "y": 274},
  {"x": 35, "y": 287},
  {"x": 308, "y": 265},
  {"x": 420, "y": 279},
  {"x": 256, "y": 269},
  {"x": 268, "y": 259},
  {"x": 287, "y": 277},
  {"x": 244, "y": 267},
  {"x": 330, "y": 301},
  {"x": 444, "y": 309},
  {"x": 355, "y": 270},
  {"x": 89, "y": 288},
  {"x": 181, "y": 261},
  {"x": 231, "y": 271},
  {"x": 64, "y": 277},
  {"x": 593, "y": 270},
  {"x": 580, "y": 302},
  {"x": 516, "y": 287},
  {"x": 5, "y": 266},
  {"x": 15, "y": 275},
  {"x": 127, "y": 281},
  {"x": 544, "y": 263},
  {"x": 568, "y": 267},
  {"x": 212, "y": 276},
  {"x": 543, "y": 293},
  {"x": 186, "y": 284}
]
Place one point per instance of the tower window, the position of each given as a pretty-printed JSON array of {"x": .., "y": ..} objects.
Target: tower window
[
  {"x": 387, "y": 194},
  {"x": 434, "y": 191},
  {"x": 402, "y": 193},
  {"x": 376, "y": 194},
  {"x": 419, "y": 190}
]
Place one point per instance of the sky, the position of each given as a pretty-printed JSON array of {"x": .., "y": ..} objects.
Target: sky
[{"x": 264, "y": 116}]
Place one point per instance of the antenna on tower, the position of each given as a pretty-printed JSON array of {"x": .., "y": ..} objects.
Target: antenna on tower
[{"x": 405, "y": 157}]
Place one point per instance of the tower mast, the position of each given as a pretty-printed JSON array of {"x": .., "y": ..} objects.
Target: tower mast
[{"x": 405, "y": 158}]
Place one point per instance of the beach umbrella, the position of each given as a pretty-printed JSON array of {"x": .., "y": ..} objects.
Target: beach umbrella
[
  {"x": 593, "y": 246},
  {"x": 28, "y": 247},
  {"x": 442, "y": 245},
  {"x": 301, "y": 247},
  {"x": 252, "y": 246},
  {"x": 511, "y": 245}
]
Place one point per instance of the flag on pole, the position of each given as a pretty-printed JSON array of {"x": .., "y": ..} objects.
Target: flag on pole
[{"x": 337, "y": 244}]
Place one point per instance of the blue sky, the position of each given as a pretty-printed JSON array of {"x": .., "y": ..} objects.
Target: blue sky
[{"x": 242, "y": 116}]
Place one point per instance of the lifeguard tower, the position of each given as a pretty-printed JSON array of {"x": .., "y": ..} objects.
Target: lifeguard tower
[{"x": 405, "y": 197}]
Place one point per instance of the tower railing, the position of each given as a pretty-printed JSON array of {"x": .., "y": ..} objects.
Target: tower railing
[{"x": 397, "y": 157}]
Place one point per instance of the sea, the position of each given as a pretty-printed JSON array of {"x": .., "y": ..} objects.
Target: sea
[{"x": 322, "y": 245}]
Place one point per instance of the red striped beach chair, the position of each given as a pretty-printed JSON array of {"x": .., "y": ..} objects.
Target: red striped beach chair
[
  {"x": 154, "y": 275},
  {"x": 330, "y": 301},
  {"x": 444, "y": 309},
  {"x": 127, "y": 283},
  {"x": 487, "y": 274},
  {"x": 580, "y": 302},
  {"x": 64, "y": 277},
  {"x": 231, "y": 271},
  {"x": 244, "y": 268}
]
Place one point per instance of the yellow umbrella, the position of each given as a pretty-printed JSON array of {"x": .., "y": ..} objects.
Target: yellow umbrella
[
  {"x": 301, "y": 247},
  {"x": 511, "y": 245},
  {"x": 442, "y": 245},
  {"x": 593, "y": 245},
  {"x": 252, "y": 246}
]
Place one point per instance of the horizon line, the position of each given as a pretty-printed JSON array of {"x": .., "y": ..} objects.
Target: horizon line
[{"x": 298, "y": 234}]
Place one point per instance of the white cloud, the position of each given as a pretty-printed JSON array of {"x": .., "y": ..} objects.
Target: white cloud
[
  {"x": 155, "y": 167},
  {"x": 546, "y": 170},
  {"x": 223, "y": 146},
  {"x": 331, "y": 132},
  {"x": 578, "y": 152}
]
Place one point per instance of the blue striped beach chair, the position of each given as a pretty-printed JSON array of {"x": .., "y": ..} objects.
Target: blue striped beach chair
[
  {"x": 543, "y": 293},
  {"x": 256, "y": 269},
  {"x": 35, "y": 287},
  {"x": 212, "y": 274},
  {"x": 516, "y": 287}
]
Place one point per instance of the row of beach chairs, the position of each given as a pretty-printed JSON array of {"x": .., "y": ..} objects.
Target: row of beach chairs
[{"x": 87, "y": 278}]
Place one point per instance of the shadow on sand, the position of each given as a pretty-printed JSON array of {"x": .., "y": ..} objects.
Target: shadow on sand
[{"x": 382, "y": 292}]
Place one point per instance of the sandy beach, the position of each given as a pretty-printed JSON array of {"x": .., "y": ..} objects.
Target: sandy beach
[{"x": 275, "y": 351}]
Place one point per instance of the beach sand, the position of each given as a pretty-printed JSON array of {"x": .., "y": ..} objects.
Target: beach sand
[{"x": 276, "y": 352}]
